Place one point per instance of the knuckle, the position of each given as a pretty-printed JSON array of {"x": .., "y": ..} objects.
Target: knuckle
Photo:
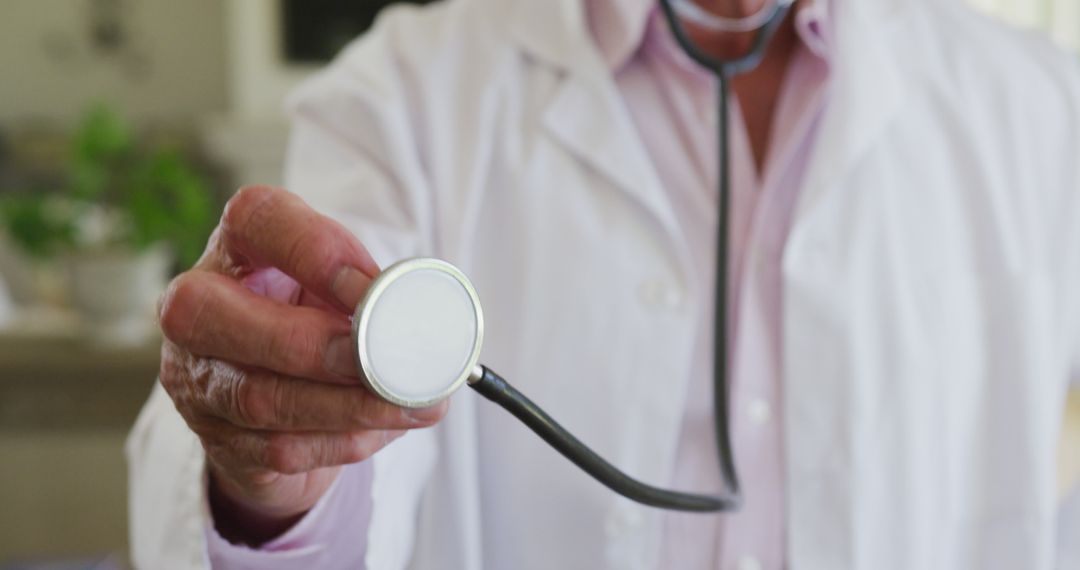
[
  {"x": 218, "y": 394},
  {"x": 365, "y": 413},
  {"x": 212, "y": 444},
  {"x": 374, "y": 413},
  {"x": 297, "y": 343},
  {"x": 169, "y": 368},
  {"x": 244, "y": 205},
  {"x": 180, "y": 307},
  {"x": 314, "y": 251},
  {"x": 178, "y": 375},
  {"x": 219, "y": 445},
  {"x": 282, "y": 455},
  {"x": 361, "y": 446},
  {"x": 207, "y": 429},
  {"x": 214, "y": 254},
  {"x": 255, "y": 400}
]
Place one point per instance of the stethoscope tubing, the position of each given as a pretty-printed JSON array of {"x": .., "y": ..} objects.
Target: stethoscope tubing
[
  {"x": 498, "y": 390},
  {"x": 495, "y": 388}
]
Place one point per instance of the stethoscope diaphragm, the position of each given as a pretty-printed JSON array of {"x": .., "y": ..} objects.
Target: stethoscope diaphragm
[{"x": 418, "y": 332}]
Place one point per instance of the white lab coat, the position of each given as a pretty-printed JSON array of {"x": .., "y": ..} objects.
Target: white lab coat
[{"x": 931, "y": 292}]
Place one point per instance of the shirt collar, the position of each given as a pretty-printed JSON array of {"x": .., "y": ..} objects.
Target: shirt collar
[{"x": 620, "y": 27}]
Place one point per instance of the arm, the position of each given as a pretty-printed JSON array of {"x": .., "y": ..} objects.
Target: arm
[
  {"x": 331, "y": 167},
  {"x": 353, "y": 157},
  {"x": 259, "y": 397}
]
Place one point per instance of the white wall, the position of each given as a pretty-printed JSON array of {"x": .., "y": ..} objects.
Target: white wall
[
  {"x": 259, "y": 79},
  {"x": 251, "y": 137},
  {"x": 174, "y": 70}
]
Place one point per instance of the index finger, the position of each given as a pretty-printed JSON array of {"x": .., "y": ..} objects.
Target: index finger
[
  {"x": 268, "y": 401},
  {"x": 270, "y": 227}
]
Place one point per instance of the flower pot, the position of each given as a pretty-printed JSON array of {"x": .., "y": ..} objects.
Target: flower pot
[
  {"x": 116, "y": 291},
  {"x": 29, "y": 281}
]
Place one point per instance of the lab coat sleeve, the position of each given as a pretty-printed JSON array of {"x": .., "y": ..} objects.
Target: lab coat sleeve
[
  {"x": 1073, "y": 251},
  {"x": 1068, "y": 555},
  {"x": 355, "y": 154},
  {"x": 165, "y": 511}
]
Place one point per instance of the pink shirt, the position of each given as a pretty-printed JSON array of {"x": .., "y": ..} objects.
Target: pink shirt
[{"x": 672, "y": 102}]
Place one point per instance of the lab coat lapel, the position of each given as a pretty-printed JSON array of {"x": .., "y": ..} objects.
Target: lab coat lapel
[
  {"x": 589, "y": 119},
  {"x": 587, "y": 116},
  {"x": 821, "y": 398},
  {"x": 866, "y": 94}
]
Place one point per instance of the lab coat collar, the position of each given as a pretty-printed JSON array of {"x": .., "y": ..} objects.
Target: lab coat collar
[
  {"x": 618, "y": 28},
  {"x": 588, "y": 117},
  {"x": 558, "y": 30},
  {"x": 865, "y": 94}
]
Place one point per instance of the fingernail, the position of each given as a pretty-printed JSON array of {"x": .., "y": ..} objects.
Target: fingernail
[
  {"x": 350, "y": 285},
  {"x": 429, "y": 414},
  {"x": 339, "y": 357}
]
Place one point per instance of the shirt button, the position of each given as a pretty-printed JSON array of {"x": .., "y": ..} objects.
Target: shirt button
[
  {"x": 660, "y": 294},
  {"x": 759, "y": 411},
  {"x": 748, "y": 563}
]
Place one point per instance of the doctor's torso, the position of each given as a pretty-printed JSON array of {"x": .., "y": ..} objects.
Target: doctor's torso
[{"x": 930, "y": 287}]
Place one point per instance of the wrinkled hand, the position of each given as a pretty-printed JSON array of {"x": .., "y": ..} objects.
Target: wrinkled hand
[{"x": 258, "y": 361}]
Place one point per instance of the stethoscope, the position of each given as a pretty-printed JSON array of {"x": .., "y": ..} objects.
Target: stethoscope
[{"x": 419, "y": 329}]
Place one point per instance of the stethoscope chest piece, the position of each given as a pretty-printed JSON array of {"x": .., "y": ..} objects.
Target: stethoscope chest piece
[{"x": 418, "y": 332}]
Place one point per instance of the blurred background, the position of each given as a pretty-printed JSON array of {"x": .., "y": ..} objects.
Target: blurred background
[{"x": 124, "y": 126}]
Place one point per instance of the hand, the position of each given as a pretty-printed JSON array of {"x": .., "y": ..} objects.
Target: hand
[{"x": 259, "y": 364}]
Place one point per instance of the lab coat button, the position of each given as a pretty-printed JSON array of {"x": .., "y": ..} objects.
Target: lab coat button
[
  {"x": 759, "y": 411},
  {"x": 612, "y": 527},
  {"x": 671, "y": 298},
  {"x": 748, "y": 563},
  {"x": 622, "y": 522}
]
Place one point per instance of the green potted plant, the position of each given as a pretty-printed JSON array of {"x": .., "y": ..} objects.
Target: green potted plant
[
  {"x": 35, "y": 230},
  {"x": 126, "y": 215}
]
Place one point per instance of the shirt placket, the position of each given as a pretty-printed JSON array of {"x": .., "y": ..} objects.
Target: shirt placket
[{"x": 753, "y": 538}]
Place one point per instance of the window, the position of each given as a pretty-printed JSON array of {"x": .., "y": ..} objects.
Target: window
[
  {"x": 314, "y": 30},
  {"x": 1059, "y": 18}
]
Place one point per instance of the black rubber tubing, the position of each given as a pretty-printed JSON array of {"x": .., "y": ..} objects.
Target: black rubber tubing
[{"x": 494, "y": 388}]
